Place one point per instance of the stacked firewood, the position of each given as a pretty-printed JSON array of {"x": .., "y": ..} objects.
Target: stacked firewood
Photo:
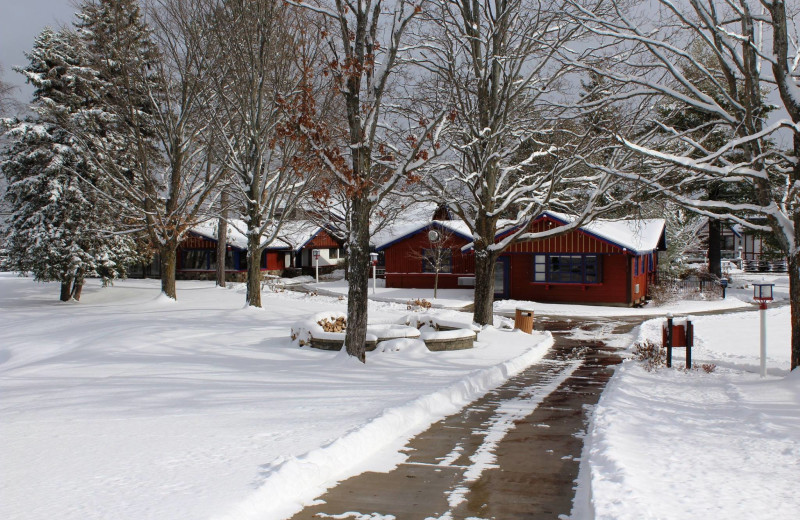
[{"x": 337, "y": 325}]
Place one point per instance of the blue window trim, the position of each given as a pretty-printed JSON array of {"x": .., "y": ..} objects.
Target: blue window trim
[{"x": 598, "y": 263}]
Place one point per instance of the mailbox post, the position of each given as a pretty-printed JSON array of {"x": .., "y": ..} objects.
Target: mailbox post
[
  {"x": 315, "y": 254},
  {"x": 724, "y": 283},
  {"x": 762, "y": 293},
  {"x": 373, "y": 259}
]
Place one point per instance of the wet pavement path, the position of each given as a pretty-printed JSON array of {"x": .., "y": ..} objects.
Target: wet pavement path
[{"x": 513, "y": 454}]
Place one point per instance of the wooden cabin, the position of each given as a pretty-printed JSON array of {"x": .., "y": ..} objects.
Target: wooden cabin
[
  {"x": 409, "y": 257},
  {"x": 604, "y": 262},
  {"x": 291, "y": 248},
  {"x": 609, "y": 262}
]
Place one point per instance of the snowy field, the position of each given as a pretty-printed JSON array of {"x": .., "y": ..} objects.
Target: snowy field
[
  {"x": 739, "y": 296},
  {"x": 130, "y": 406},
  {"x": 670, "y": 444}
]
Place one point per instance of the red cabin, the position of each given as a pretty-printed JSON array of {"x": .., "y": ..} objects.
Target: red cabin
[
  {"x": 607, "y": 262},
  {"x": 291, "y": 248}
]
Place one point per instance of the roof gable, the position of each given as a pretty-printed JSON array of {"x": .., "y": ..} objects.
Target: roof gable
[
  {"x": 634, "y": 235},
  {"x": 401, "y": 233}
]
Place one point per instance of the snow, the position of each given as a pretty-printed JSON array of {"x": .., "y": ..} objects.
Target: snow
[
  {"x": 639, "y": 235},
  {"x": 739, "y": 295},
  {"x": 404, "y": 229},
  {"x": 294, "y": 234},
  {"x": 448, "y": 298},
  {"x": 672, "y": 444},
  {"x": 132, "y": 405},
  {"x": 448, "y": 334},
  {"x": 127, "y": 405}
]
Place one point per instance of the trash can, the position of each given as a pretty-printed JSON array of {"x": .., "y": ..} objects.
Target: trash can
[{"x": 523, "y": 320}]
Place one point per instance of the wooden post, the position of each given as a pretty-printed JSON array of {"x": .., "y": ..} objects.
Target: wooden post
[
  {"x": 669, "y": 340},
  {"x": 689, "y": 343}
]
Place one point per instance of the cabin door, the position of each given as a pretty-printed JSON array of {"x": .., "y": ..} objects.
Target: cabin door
[{"x": 501, "y": 278}]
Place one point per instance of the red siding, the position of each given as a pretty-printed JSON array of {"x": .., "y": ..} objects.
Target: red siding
[
  {"x": 196, "y": 242},
  {"x": 275, "y": 260},
  {"x": 404, "y": 268},
  {"x": 613, "y": 288},
  {"x": 573, "y": 242},
  {"x": 423, "y": 280},
  {"x": 322, "y": 240},
  {"x": 405, "y": 257}
]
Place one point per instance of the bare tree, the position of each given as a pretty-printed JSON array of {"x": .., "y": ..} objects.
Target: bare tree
[
  {"x": 514, "y": 148},
  {"x": 6, "y": 95},
  {"x": 755, "y": 53},
  {"x": 263, "y": 88},
  {"x": 154, "y": 84},
  {"x": 222, "y": 235},
  {"x": 437, "y": 257},
  {"x": 385, "y": 141}
]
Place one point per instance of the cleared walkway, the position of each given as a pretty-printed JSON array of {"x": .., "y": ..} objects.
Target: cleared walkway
[{"x": 513, "y": 454}]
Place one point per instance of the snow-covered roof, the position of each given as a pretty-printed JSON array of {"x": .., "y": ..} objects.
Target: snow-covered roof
[
  {"x": 636, "y": 235},
  {"x": 294, "y": 234},
  {"x": 398, "y": 232}
]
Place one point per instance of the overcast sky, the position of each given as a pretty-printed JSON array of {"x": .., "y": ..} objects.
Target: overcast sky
[{"x": 20, "y": 22}]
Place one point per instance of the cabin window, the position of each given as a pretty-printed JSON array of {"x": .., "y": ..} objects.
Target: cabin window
[
  {"x": 212, "y": 260},
  {"x": 728, "y": 243},
  {"x": 430, "y": 257},
  {"x": 566, "y": 268},
  {"x": 195, "y": 259}
]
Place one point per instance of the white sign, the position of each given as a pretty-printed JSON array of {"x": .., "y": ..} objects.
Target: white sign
[{"x": 315, "y": 252}]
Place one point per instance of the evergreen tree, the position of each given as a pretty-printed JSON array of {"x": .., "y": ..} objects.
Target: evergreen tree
[
  {"x": 61, "y": 228},
  {"x": 151, "y": 89}
]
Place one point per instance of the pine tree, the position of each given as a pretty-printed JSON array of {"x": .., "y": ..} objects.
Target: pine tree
[
  {"x": 152, "y": 86},
  {"x": 61, "y": 228}
]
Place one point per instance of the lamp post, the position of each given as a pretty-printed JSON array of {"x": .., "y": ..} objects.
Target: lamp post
[
  {"x": 315, "y": 254},
  {"x": 762, "y": 293},
  {"x": 373, "y": 258}
]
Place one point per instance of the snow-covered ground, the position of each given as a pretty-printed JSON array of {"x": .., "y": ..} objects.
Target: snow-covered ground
[
  {"x": 738, "y": 296},
  {"x": 671, "y": 444},
  {"x": 130, "y": 406}
]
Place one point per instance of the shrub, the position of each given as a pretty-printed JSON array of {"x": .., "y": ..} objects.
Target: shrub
[
  {"x": 650, "y": 354},
  {"x": 414, "y": 305}
]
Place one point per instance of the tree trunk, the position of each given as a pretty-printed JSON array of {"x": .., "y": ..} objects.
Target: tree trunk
[
  {"x": 66, "y": 290},
  {"x": 357, "y": 269},
  {"x": 222, "y": 239},
  {"x": 714, "y": 247},
  {"x": 794, "y": 299},
  {"x": 77, "y": 289},
  {"x": 77, "y": 285},
  {"x": 435, "y": 284},
  {"x": 484, "y": 288},
  {"x": 253, "y": 271},
  {"x": 169, "y": 263}
]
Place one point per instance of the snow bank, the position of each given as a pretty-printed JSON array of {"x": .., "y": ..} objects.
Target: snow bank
[
  {"x": 447, "y": 334},
  {"x": 672, "y": 444},
  {"x": 297, "y": 481},
  {"x": 408, "y": 347},
  {"x": 121, "y": 406},
  {"x": 389, "y": 331}
]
